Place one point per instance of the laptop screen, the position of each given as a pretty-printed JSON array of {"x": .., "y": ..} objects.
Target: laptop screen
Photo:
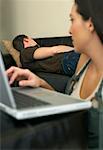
[{"x": 6, "y": 96}]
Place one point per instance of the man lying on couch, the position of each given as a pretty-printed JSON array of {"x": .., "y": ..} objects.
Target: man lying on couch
[{"x": 56, "y": 59}]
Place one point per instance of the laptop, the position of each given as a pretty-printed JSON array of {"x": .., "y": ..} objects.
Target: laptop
[{"x": 25, "y": 103}]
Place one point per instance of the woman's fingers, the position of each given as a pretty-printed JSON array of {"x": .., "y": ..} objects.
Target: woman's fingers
[
  {"x": 25, "y": 77},
  {"x": 15, "y": 73}
]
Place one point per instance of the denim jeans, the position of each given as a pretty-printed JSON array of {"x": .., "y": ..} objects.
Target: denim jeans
[{"x": 69, "y": 62}]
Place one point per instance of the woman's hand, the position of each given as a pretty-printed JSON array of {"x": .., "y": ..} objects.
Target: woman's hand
[{"x": 25, "y": 77}]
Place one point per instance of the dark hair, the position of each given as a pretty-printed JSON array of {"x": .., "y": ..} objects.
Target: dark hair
[
  {"x": 18, "y": 42},
  {"x": 92, "y": 9}
]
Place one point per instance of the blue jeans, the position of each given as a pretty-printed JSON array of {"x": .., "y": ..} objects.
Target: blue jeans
[{"x": 69, "y": 62}]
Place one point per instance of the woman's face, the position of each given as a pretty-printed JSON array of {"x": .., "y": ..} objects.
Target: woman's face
[{"x": 79, "y": 30}]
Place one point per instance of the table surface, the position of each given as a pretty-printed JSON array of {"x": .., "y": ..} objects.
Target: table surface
[{"x": 56, "y": 131}]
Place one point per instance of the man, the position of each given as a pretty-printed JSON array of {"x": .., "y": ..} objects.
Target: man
[{"x": 56, "y": 59}]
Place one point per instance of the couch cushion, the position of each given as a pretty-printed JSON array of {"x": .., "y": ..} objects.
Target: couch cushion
[
  {"x": 13, "y": 52},
  {"x": 8, "y": 61},
  {"x": 57, "y": 81}
]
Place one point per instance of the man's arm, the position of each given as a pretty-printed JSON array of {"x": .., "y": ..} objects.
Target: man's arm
[{"x": 45, "y": 52}]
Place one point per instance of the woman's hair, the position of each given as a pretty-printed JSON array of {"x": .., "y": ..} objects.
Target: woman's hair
[
  {"x": 92, "y": 9},
  {"x": 18, "y": 42}
]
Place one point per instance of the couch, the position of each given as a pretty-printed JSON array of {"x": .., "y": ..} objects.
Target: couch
[
  {"x": 61, "y": 80},
  {"x": 58, "y": 132}
]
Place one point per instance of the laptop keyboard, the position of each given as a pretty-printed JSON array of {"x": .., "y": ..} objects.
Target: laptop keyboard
[{"x": 25, "y": 101}]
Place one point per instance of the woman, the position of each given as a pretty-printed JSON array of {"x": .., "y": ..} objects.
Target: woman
[{"x": 87, "y": 35}]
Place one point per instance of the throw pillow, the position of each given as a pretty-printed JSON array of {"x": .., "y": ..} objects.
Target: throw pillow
[{"x": 14, "y": 53}]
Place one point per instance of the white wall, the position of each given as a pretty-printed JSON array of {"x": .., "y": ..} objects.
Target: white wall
[{"x": 36, "y": 18}]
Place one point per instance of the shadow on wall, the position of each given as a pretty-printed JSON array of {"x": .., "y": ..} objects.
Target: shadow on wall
[{"x": 7, "y": 26}]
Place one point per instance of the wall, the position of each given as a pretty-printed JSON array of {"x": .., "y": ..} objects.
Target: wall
[{"x": 36, "y": 18}]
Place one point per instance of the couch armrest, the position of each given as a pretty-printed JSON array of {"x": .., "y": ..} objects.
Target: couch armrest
[{"x": 8, "y": 61}]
